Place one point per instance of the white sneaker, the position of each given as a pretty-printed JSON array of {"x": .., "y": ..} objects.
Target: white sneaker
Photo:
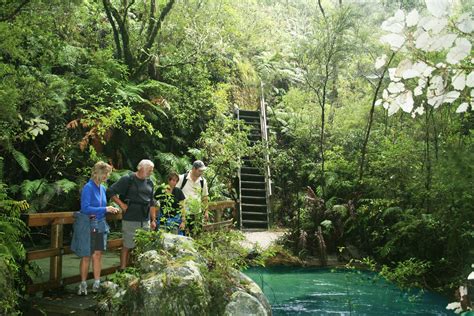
[
  {"x": 82, "y": 289},
  {"x": 96, "y": 286}
]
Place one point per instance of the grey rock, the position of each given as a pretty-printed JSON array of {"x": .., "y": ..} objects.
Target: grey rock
[{"x": 244, "y": 304}]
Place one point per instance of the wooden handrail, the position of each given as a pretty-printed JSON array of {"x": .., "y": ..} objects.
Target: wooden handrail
[{"x": 56, "y": 250}]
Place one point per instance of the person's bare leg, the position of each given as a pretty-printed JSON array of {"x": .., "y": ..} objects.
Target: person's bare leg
[
  {"x": 97, "y": 264},
  {"x": 124, "y": 257},
  {"x": 84, "y": 267}
]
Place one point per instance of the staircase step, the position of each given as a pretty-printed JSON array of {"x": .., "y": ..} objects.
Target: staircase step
[
  {"x": 249, "y": 113},
  {"x": 252, "y": 177},
  {"x": 252, "y": 123},
  {"x": 252, "y": 182},
  {"x": 253, "y": 190},
  {"x": 253, "y": 222},
  {"x": 253, "y": 213},
  {"x": 254, "y": 205},
  {"x": 254, "y": 199},
  {"x": 250, "y": 118}
]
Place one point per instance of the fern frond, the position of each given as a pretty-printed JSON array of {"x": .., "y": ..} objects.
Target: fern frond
[
  {"x": 21, "y": 160},
  {"x": 64, "y": 186}
]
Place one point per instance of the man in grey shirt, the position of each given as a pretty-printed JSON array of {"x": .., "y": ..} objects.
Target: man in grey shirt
[{"x": 133, "y": 193}]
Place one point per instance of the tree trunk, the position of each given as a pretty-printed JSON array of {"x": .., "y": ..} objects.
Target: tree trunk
[{"x": 371, "y": 119}]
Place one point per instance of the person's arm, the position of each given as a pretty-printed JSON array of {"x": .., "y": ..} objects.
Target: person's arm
[
  {"x": 182, "y": 226},
  {"x": 87, "y": 196},
  {"x": 119, "y": 187},
  {"x": 205, "y": 200},
  {"x": 153, "y": 216},
  {"x": 120, "y": 203}
]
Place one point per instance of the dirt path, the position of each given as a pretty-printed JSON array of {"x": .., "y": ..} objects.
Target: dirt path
[{"x": 263, "y": 239}]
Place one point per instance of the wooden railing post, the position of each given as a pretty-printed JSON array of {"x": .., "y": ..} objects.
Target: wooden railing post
[{"x": 56, "y": 262}]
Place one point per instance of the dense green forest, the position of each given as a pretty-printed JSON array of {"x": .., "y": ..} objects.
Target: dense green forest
[{"x": 370, "y": 107}]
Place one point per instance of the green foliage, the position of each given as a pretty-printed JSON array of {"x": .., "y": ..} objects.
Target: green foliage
[
  {"x": 12, "y": 253},
  {"x": 408, "y": 274}
]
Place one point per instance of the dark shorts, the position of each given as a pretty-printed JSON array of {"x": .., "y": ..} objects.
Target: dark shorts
[{"x": 98, "y": 241}]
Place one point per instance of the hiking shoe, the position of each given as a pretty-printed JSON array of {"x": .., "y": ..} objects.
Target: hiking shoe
[
  {"x": 82, "y": 289},
  {"x": 96, "y": 287}
]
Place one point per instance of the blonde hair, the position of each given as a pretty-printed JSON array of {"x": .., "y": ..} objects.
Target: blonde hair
[{"x": 100, "y": 170}]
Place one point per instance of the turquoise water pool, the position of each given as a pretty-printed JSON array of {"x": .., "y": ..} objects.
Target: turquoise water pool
[{"x": 315, "y": 291}]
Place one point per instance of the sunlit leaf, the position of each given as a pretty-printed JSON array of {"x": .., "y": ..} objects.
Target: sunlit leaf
[
  {"x": 419, "y": 110},
  {"x": 465, "y": 23},
  {"x": 451, "y": 96},
  {"x": 418, "y": 91},
  {"x": 462, "y": 107},
  {"x": 392, "y": 26},
  {"x": 410, "y": 73},
  {"x": 391, "y": 74},
  {"x": 459, "y": 81},
  {"x": 435, "y": 101},
  {"x": 438, "y": 8},
  {"x": 442, "y": 42},
  {"x": 435, "y": 25},
  {"x": 380, "y": 61},
  {"x": 396, "y": 87},
  {"x": 412, "y": 18},
  {"x": 422, "y": 82},
  {"x": 395, "y": 41},
  {"x": 393, "y": 108},
  {"x": 436, "y": 85},
  {"x": 405, "y": 100},
  {"x": 461, "y": 50},
  {"x": 423, "y": 41},
  {"x": 470, "y": 81},
  {"x": 404, "y": 65}
]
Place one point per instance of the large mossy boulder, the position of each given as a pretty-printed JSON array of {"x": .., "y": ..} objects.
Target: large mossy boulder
[{"x": 174, "y": 279}]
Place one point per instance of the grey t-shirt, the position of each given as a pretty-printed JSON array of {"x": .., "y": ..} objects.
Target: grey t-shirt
[{"x": 137, "y": 193}]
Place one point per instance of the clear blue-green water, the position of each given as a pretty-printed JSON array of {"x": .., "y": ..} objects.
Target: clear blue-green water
[{"x": 315, "y": 291}]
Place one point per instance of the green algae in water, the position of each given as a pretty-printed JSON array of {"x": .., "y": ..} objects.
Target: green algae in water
[{"x": 316, "y": 291}]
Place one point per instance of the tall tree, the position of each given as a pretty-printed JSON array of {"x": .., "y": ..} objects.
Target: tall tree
[{"x": 326, "y": 47}]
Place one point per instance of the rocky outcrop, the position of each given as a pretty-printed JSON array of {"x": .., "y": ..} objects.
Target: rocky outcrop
[{"x": 174, "y": 280}]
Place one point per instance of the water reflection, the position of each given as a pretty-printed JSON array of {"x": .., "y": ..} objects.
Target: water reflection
[{"x": 310, "y": 291}]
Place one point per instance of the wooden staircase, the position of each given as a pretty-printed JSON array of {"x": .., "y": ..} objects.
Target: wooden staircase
[{"x": 254, "y": 184}]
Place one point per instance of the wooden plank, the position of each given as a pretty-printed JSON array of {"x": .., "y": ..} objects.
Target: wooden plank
[
  {"x": 215, "y": 226},
  {"x": 45, "y": 219},
  {"x": 51, "y": 252},
  {"x": 90, "y": 275},
  {"x": 54, "y": 284},
  {"x": 53, "y": 218},
  {"x": 39, "y": 287},
  {"x": 221, "y": 205},
  {"x": 56, "y": 262},
  {"x": 43, "y": 253}
]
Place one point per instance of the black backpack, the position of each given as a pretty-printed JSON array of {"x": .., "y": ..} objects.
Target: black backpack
[
  {"x": 131, "y": 181},
  {"x": 185, "y": 179}
]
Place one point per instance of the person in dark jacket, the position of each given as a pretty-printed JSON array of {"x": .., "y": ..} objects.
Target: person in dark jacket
[
  {"x": 90, "y": 227},
  {"x": 171, "y": 199},
  {"x": 133, "y": 193}
]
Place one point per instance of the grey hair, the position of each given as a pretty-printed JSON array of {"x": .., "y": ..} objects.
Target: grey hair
[{"x": 145, "y": 163}]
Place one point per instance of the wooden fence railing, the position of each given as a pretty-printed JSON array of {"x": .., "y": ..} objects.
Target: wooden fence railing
[{"x": 57, "y": 249}]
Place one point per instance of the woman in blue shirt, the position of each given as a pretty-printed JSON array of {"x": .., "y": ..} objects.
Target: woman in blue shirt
[{"x": 90, "y": 228}]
